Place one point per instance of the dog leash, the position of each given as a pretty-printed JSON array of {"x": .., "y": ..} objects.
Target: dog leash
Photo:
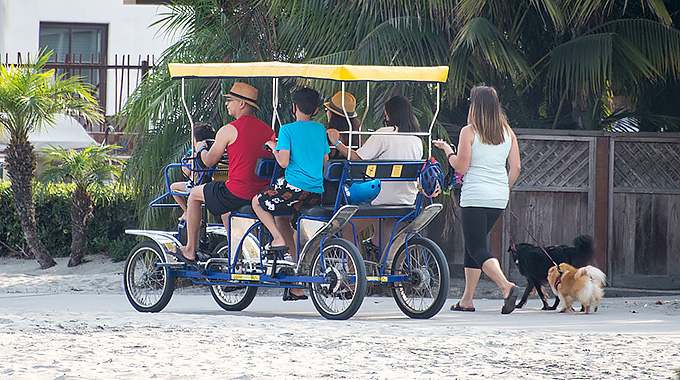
[{"x": 512, "y": 245}]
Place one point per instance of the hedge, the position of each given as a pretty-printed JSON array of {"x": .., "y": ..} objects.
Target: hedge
[{"x": 114, "y": 211}]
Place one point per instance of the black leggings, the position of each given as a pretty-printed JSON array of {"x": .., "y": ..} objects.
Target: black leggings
[{"x": 477, "y": 222}]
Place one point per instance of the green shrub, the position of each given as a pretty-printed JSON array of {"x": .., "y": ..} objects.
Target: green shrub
[{"x": 114, "y": 211}]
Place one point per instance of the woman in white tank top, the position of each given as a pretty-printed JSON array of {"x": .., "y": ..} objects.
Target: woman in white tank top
[{"x": 484, "y": 147}]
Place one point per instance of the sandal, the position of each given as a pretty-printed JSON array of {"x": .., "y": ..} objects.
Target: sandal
[
  {"x": 192, "y": 264},
  {"x": 510, "y": 300},
  {"x": 457, "y": 307},
  {"x": 268, "y": 247},
  {"x": 289, "y": 296}
]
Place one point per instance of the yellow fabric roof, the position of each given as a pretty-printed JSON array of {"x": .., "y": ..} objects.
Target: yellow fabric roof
[{"x": 332, "y": 72}]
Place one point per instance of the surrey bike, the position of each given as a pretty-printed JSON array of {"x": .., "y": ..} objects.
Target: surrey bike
[{"x": 330, "y": 266}]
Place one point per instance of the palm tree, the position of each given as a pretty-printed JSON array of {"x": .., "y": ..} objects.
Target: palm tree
[
  {"x": 30, "y": 97},
  {"x": 88, "y": 170}
]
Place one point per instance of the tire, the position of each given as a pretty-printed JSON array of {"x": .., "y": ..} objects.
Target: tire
[
  {"x": 424, "y": 293},
  {"x": 148, "y": 287},
  {"x": 230, "y": 297},
  {"x": 339, "y": 297}
]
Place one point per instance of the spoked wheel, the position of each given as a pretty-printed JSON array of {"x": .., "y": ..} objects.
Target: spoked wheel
[
  {"x": 424, "y": 293},
  {"x": 147, "y": 286},
  {"x": 341, "y": 295},
  {"x": 230, "y": 297}
]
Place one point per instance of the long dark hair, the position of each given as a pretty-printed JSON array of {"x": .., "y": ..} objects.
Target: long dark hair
[{"x": 399, "y": 110}]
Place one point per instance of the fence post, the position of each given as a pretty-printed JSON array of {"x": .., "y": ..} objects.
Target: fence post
[
  {"x": 145, "y": 69},
  {"x": 601, "y": 216}
]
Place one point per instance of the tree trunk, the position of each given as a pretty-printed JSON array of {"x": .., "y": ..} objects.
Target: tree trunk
[
  {"x": 81, "y": 212},
  {"x": 21, "y": 164}
]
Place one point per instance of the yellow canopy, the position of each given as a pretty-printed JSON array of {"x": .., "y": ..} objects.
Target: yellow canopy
[{"x": 332, "y": 72}]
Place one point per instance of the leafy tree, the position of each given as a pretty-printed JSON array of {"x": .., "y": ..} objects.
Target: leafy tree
[
  {"x": 89, "y": 169},
  {"x": 30, "y": 97}
]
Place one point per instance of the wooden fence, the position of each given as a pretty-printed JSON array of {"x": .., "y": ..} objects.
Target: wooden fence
[{"x": 622, "y": 189}]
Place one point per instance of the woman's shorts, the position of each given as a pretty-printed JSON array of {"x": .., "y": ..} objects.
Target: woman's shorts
[
  {"x": 219, "y": 200},
  {"x": 284, "y": 198}
]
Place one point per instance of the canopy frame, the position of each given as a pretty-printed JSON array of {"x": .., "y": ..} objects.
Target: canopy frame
[{"x": 342, "y": 73}]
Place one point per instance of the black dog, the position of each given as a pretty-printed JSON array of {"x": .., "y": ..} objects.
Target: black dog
[{"x": 533, "y": 264}]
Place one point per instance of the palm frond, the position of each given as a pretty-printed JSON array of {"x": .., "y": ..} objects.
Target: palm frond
[
  {"x": 584, "y": 66},
  {"x": 659, "y": 44},
  {"x": 480, "y": 47}
]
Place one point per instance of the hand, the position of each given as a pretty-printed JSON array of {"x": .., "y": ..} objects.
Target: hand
[
  {"x": 271, "y": 145},
  {"x": 333, "y": 135},
  {"x": 443, "y": 145},
  {"x": 201, "y": 144}
]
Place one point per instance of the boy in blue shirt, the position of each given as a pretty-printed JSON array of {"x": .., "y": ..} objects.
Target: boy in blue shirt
[{"x": 302, "y": 149}]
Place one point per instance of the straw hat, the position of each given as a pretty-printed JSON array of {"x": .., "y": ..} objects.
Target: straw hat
[
  {"x": 335, "y": 104},
  {"x": 245, "y": 92}
]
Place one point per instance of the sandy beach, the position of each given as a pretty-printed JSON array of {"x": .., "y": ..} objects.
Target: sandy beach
[{"x": 76, "y": 323}]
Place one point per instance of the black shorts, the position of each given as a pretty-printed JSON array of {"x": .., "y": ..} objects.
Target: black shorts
[{"x": 219, "y": 200}]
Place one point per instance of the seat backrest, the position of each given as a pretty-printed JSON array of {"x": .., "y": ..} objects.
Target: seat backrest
[
  {"x": 382, "y": 170},
  {"x": 266, "y": 167}
]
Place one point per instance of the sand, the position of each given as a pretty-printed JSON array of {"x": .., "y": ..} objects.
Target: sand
[{"x": 76, "y": 323}]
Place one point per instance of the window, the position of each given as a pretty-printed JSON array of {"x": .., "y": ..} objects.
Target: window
[{"x": 78, "y": 49}]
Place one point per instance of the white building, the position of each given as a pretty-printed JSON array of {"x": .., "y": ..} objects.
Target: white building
[{"x": 86, "y": 30}]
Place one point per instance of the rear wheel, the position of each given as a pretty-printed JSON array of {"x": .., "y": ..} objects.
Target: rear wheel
[
  {"x": 424, "y": 293},
  {"x": 230, "y": 297},
  {"x": 343, "y": 292},
  {"x": 147, "y": 286}
]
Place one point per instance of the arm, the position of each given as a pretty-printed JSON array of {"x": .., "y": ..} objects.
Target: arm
[
  {"x": 282, "y": 157},
  {"x": 514, "y": 161},
  {"x": 334, "y": 138},
  {"x": 460, "y": 161},
  {"x": 225, "y": 136}
]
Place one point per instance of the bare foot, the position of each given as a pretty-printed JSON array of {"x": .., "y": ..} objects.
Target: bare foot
[
  {"x": 297, "y": 292},
  {"x": 183, "y": 217},
  {"x": 506, "y": 291},
  {"x": 188, "y": 253}
]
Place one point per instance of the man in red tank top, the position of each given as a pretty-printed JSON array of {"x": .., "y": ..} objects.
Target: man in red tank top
[{"x": 242, "y": 139}]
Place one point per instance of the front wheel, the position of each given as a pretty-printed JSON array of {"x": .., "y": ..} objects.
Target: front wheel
[
  {"x": 341, "y": 295},
  {"x": 424, "y": 293},
  {"x": 230, "y": 297},
  {"x": 147, "y": 286}
]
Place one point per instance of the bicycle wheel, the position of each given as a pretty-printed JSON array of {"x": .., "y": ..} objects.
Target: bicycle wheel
[
  {"x": 230, "y": 297},
  {"x": 425, "y": 291},
  {"x": 147, "y": 286},
  {"x": 341, "y": 295}
]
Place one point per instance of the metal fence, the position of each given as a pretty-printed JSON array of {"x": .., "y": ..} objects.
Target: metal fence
[{"x": 113, "y": 83}]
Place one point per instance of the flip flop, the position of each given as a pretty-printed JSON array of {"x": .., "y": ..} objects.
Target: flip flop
[
  {"x": 457, "y": 307},
  {"x": 289, "y": 296},
  {"x": 268, "y": 247},
  {"x": 192, "y": 264},
  {"x": 510, "y": 300}
]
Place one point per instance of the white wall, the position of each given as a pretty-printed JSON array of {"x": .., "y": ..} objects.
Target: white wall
[{"x": 129, "y": 31}]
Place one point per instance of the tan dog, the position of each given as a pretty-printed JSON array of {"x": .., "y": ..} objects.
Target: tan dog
[{"x": 583, "y": 285}]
